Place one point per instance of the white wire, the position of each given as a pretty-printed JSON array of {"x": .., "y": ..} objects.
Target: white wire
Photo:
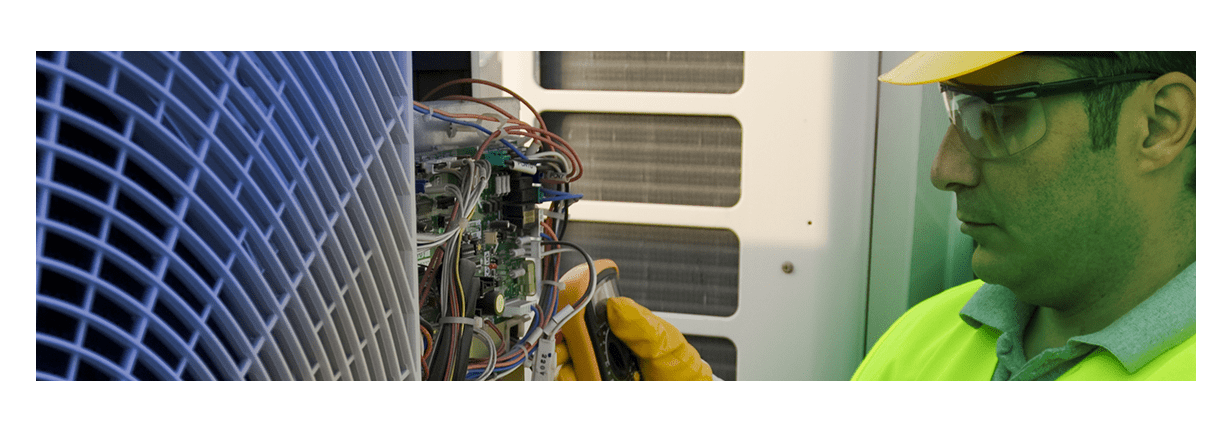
[
  {"x": 507, "y": 372},
  {"x": 592, "y": 284},
  {"x": 558, "y": 251},
  {"x": 568, "y": 166},
  {"x": 476, "y": 178}
]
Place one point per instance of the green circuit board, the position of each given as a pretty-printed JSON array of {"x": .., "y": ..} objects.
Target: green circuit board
[{"x": 505, "y": 213}]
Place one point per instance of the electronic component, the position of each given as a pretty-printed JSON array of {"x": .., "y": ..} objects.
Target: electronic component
[{"x": 485, "y": 183}]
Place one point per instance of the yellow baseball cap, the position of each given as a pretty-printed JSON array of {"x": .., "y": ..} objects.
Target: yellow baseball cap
[{"x": 935, "y": 66}]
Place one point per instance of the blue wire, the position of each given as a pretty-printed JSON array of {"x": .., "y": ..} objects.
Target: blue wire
[
  {"x": 558, "y": 196},
  {"x": 472, "y": 125}
]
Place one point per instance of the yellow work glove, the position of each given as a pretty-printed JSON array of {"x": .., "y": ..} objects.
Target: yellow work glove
[
  {"x": 662, "y": 352},
  {"x": 564, "y": 371}
]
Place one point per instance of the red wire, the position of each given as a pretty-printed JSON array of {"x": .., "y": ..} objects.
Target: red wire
[
  {"x": 488, "y": 83},
  {"x": 490, "y": 104},
  {"x": 549, "y": 138},
  {"x": 559, "y": 143}
]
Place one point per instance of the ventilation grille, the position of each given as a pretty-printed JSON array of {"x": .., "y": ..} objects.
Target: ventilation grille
[
  {"x": 719, "y": 72},
  {"x": 659, "y": 159},
  {"x": 677, "y": 269},
  {"x": 223, "y": 216}
]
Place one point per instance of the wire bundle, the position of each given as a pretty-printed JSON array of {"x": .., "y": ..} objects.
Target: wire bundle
[{"x": 558, "y": 164}]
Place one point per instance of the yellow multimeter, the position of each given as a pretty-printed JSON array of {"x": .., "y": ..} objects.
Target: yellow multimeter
[{"x": 596, "y": 353}]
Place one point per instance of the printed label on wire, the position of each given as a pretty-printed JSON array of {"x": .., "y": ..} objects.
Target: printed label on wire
[{"x": 545, "y": 359}]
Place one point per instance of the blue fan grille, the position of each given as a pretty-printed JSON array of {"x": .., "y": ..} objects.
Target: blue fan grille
[{"x": 228, "y": 215}]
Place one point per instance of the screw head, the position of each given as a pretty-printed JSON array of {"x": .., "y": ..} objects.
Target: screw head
[{"x": 788, "y": 267}]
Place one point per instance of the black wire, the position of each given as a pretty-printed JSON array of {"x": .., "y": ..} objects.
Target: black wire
[
  {"x": 563, "y": 222},
  {"x": 590, "y": 287}
]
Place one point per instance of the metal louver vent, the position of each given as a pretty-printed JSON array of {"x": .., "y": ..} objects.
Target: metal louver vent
[
  {"x": 231, "y": 216},
  {"x": 660, "y": 159},
  {"x": 719, "y": 72},
  {"x": 677, "y": 269}
]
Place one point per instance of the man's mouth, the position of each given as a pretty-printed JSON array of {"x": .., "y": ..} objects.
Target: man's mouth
[{"x": 969, "y": 223}]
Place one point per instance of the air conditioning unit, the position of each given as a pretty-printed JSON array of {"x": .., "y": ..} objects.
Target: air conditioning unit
[
  {"x": 733, "y": 189},
  {"x": 240, "y": 215}
]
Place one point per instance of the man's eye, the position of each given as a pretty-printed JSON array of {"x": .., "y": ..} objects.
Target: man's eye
[{"x": 1011, "y": 120}]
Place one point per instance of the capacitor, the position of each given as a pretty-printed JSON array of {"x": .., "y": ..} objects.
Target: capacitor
[{"x": 492, "y": 303}]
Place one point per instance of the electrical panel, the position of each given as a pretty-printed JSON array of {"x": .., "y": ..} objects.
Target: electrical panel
[{"x": 492, "y": 198}]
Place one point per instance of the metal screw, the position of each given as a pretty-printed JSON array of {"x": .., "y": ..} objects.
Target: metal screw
[{"x": 787, "y": 267}]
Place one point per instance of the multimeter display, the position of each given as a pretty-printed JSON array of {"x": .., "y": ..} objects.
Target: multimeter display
[{"x": 616, "y": 361}]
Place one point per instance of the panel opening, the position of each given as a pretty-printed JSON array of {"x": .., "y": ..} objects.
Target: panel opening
[
  {"x": 719, "y": 352},
  {"x": 657, "y": 159},
  {"x": 718, "y": 72},
  {"x": 677, "y": 269}
]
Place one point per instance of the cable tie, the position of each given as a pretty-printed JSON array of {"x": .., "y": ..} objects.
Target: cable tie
[
  {"x": 476, "y": 322},
  {"x": 504, "y": 122}
]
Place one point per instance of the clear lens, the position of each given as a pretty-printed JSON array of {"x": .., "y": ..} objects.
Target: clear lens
[{"x": 995, "y": 130}]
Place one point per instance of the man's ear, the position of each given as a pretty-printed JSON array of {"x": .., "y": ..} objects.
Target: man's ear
[{"x": 1171, "y": 120}]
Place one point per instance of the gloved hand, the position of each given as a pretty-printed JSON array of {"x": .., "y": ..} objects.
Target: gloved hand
[
  {"x": 662, "y": 352},
  {"x": 564, "y": 371}
]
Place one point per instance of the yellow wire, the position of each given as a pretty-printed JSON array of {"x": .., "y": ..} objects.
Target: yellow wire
[{"x": 457, "y": 262}]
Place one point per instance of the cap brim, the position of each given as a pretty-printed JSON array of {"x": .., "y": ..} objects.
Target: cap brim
[{"x": 935, "y": 66}]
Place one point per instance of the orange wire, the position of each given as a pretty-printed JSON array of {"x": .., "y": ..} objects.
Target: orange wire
[{"x": 427, "y": 348}]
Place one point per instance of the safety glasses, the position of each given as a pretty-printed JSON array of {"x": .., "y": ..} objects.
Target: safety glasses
[{"x": 998, "y": 122}]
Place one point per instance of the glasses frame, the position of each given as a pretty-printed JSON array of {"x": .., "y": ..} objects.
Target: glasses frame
[
  {"x": 1027, "y": 91},
  {"x": 993, "y": 95}
]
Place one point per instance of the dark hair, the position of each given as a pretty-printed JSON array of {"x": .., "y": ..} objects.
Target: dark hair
[{"x": 1103, "y": 104}]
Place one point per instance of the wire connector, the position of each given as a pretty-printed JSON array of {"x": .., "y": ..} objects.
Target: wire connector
[
  {"x": 525, "y": 168},
  {"x": 517, "y": 308},
  {"x": 558, "y": 321}
]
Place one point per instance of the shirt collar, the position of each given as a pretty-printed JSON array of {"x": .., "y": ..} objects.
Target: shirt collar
[{"x": 1157, "y": 324}]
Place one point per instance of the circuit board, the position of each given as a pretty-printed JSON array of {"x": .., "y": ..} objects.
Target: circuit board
[
  {"x": 488, "y": 291},
  {"x": 505, "y": 213}
]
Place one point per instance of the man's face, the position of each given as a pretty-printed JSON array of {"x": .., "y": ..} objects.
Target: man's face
[{"x": 1051, "y": 217}]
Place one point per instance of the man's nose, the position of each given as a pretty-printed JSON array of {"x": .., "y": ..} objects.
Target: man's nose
[{"x": 954, "y": 168}]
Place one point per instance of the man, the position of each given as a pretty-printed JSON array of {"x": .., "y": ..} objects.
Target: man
[{"x": 1074, "y": 173}]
